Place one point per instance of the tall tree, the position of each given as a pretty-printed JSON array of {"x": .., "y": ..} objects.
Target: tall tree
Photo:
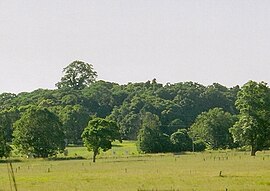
[
  {"x": 253, "y": 127},
  {"x": 150, "y": 137},
  {"x": 77, "y": 75},
  {"x": 74, "y": 119},
  {"x": 213, "y": 128},
  {"x": 5, "y": 148},
  {"x": 99, "y": 135},
  {"x": 39, "y": 132}
]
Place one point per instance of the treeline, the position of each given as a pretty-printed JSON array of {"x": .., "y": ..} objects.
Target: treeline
[
  {"x": 162, "y": 117},
  {"x": 175, "y": 105}
]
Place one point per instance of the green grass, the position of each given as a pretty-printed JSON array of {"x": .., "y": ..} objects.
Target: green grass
[{"x": 122, "y": 168}]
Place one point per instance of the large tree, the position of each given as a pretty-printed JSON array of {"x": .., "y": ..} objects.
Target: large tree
[
  {"x": 7, "y": 118},
  {"x": 5, "y": 148},
  {"x": 77, "y": 75},
  {"x": 253, "y": 127},
  {"x": 38, "y": 132},
  {"x": 150, "y": 137},
  {"x": 212, "y": 127},
  {"x": 181, "y": 141},
  {"x": 99, "y": 135},
  {"x": 74, "y": 119}
]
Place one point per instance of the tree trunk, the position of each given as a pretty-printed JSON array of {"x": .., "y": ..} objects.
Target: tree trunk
[
  {"x": 253, "y": 151},
  {"x": 94, "y": 156}
]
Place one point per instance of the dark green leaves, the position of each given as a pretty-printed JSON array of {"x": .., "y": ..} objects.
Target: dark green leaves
[
  {"x": 253, "y": 127},
  {"x": 212, "y": 127},
  {"x": 39, "y": 132},
  {"x": 77, "y": 75},
  {"x": 99, "y": 134}
]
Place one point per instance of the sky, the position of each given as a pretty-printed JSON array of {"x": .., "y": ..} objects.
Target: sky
[{"x": 204, "y": 41}]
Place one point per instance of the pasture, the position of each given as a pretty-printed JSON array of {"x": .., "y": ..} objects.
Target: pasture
[{"x": 122, "y": 168}]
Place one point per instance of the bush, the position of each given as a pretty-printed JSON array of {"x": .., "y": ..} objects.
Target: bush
[{"x": 199, "y": 145}]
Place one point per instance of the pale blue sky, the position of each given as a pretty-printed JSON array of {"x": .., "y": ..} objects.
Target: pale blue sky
[{"x": 205, "y": 41}]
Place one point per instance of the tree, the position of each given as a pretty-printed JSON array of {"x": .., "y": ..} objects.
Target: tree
[
  {"x": 220, "y": 96},
  {"x": 253, "y": 127},
  {"x": 77, "y": 75},
  {"x": 213, "y": 128},
  {"x": 99, "y": 135},
  {"x": 38, "y": 132},
  {"x": 7, "y": 118},
  {"x": 131, "y": 124},
  {"x": 74, "y": 119},
  {"x": 5, "y": 148},
  {"x": 100, "y": 98},
  {"x": 7, "y": 100},
  {"x": 150, "y": 137},
  {"x": 181, "y": 141}
]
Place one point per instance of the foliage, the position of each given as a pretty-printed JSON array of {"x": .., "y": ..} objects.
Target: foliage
[
  {"x": 181, "y": 141},
  {"x": 5, "y": 148},
  {"x": 176, "y": 105},
  {"x": 99, "y": 134},
  {"x": 213, "y": 128},
  {"x": 38, "y": 132},
  {"x": 7, "y": 100},
  {"x": 100, "y": 98},
  {"x": 77, "y": 75},
  {"x": 150, "y": 137},
  {"x": 7, "y": 117},
  {"x": 74, "y": 119},
  {"x": 199, "y": 145},
  {"x": 253, "y": 127}
]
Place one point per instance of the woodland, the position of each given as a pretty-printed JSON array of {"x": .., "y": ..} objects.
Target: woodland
[{"x": 171, "y": 117}]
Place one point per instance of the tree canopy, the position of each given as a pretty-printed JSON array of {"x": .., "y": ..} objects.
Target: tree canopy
[
  {"x": 253, "y": 127},
  {"x": 74, "y": 119},
  {"x": 181, "y": 141},
  {"x": 150, "y": 137},
  {"x": 38, "y": 132},
  {"x": 5, "y": 148},
  {"x": 212, "y": 127},
  {"x": 99, "y": 135},
  {"x": 77, "y": 75},
  {"x": 177, "y": 107}
]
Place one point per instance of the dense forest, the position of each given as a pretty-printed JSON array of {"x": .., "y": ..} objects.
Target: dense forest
[{"x": 183, "y": 116}]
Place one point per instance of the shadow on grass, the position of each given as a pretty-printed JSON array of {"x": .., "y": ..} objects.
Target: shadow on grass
[
  {"x": 117, "y": 145},
  {"x": 129, "y": 160},
  {"x": 119, "y": 159},
  {"x": 66, "y": 158},
  {"x": 10, "y": 160}
]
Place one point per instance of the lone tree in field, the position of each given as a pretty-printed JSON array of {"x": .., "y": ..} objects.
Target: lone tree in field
[
  {"x": 253, "y": 127},
  {"x": 99, "y": 135},
  {"x": 77, "y": 75},
  {"x": 38, "y": 132}
]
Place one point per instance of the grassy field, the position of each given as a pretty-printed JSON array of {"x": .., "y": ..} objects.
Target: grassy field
[{"x": 122, "y": 168}]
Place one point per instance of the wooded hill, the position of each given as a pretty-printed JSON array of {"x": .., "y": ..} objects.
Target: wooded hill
[
  {"x": 174, "y": 113},
  {"x": 176, "y": 105}
]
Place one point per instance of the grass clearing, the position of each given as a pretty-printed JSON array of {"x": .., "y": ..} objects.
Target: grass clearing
[{"x": 122, "y": 168}]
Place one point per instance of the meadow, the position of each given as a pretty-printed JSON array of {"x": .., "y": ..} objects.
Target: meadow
[{"x": 122, "y": 168}]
